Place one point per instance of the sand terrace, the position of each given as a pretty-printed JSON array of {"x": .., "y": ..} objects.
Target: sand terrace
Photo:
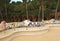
[
  {"x": 25, "y": 30},
  {"x": 52, "y": 35}
]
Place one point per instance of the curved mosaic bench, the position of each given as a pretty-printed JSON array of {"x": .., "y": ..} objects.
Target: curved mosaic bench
[{"x": 24, "y": 31}]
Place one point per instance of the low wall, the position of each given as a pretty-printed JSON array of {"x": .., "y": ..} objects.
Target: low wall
[
  {"x": 27, "y": 30},
  {"x": 54, "y": 24}
]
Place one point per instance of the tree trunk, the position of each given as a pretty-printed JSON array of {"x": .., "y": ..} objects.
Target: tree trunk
[
  {"x": 42, "y": 7},
  {"x": 6, "y": 11},
  {"x": 26, "y": 10},
  {"x": 56, "y": 9},
  {"x": 39, "y": 14}
]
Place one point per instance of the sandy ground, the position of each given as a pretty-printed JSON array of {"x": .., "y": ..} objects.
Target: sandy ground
[{"x": 52, "y": 35}]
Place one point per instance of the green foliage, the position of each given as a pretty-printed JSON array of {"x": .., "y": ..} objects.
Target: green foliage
[{"x": 34, "y": 8}]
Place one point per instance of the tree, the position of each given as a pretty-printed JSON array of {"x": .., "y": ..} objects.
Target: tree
[
  {"x": 3, "y": 7},
  {"x": 56, "y": 9},
  {"x": 28, "y": 9}
]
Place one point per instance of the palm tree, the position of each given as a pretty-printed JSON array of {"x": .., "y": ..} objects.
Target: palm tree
[
  {"x": 42, "y": 7},
  {"x": 3, "y": 5},
  {"x": 39, "y": 14},
  {"x": 26, "y": 9},
  {"x": 56, "y": 9},
  {"x": 6, "y": 10},
  {"x": 26, "y": 1}
]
